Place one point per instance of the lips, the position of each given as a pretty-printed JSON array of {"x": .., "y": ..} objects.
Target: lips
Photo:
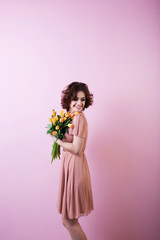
[{"x": 78, "y": 108}]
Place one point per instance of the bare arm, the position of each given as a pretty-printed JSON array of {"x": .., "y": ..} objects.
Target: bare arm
[{"x": 74, "y": 147}]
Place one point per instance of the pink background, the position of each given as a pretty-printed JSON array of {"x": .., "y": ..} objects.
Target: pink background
[{"x": 113, "y": 46}]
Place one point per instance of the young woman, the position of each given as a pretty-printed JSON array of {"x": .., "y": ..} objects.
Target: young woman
[{"x": 75, "y": 197}]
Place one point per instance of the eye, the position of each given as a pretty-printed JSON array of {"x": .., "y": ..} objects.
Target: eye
[{"x": 75, "y": 99}]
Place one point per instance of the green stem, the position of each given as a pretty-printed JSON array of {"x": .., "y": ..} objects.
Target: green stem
[{"x": 55, "y": 151}]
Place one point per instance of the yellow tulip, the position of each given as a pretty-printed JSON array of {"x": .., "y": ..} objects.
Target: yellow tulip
[
  {"x": 53, "y": 113},
  {"x": 55, "y": 118},
  {"x": 76, "y": 113},
  {"x": 50, "y": 119},
  {"x": 61, "y": 113},
  {"x": 65, "y": 118},
  {"x": 70, "y": 125}
]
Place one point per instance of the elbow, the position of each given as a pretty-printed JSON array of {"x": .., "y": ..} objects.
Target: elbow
[
  {"x": 77, "y": 148},
  {"x": 77, "y": 151}
]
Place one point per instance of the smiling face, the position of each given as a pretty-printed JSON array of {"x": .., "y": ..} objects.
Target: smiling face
[{"x": 78, "y": 103}]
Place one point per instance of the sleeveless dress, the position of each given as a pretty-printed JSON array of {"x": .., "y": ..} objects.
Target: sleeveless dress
[{"x": 75, "y": 197}]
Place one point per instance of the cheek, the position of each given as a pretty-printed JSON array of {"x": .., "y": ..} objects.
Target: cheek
[{"x": 73, "y": 103}]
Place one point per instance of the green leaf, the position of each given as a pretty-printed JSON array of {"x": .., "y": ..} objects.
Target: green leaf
[{"x": 49, "y": 131}]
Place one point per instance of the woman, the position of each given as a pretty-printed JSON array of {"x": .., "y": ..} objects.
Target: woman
[{"x": 75, "y": 191}]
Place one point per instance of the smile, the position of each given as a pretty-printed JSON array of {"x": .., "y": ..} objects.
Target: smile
[{"x": 78, "y": 107}]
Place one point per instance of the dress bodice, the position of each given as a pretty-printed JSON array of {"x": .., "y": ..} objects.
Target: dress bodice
[{"x": 80, "y": 128}]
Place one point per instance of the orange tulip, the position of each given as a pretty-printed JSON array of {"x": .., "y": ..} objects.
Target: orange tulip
[
  {"x": 54, "y": 132},
  {"x": 61, "y": 120},
  {"x": 67, "y": 114},
  {"x": 50, "y": 119},
  {"x": 57, "y": 127}
]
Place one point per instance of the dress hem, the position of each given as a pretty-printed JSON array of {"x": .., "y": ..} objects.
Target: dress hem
[{"x": 80, "y": 215}]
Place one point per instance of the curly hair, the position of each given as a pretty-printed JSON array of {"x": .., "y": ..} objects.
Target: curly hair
[{"x": 70, "y": 92}]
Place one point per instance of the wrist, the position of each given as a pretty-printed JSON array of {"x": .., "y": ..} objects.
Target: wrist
[{"x": 58, "y": 141}]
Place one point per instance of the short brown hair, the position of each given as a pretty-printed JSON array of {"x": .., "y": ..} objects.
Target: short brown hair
[{"x": 70, "y": 92}]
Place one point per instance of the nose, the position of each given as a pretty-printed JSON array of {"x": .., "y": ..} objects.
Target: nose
[{"x": 79, "y": 103}]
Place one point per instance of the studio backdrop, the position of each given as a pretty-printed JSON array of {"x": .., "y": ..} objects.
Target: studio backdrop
[{"x": 113, "y": 47}]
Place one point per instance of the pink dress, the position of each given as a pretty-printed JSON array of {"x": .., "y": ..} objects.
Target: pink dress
[{"x": 75, "y": 197}]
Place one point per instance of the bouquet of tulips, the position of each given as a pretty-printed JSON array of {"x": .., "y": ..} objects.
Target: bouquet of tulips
[{"x": 58, "y": 126}]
